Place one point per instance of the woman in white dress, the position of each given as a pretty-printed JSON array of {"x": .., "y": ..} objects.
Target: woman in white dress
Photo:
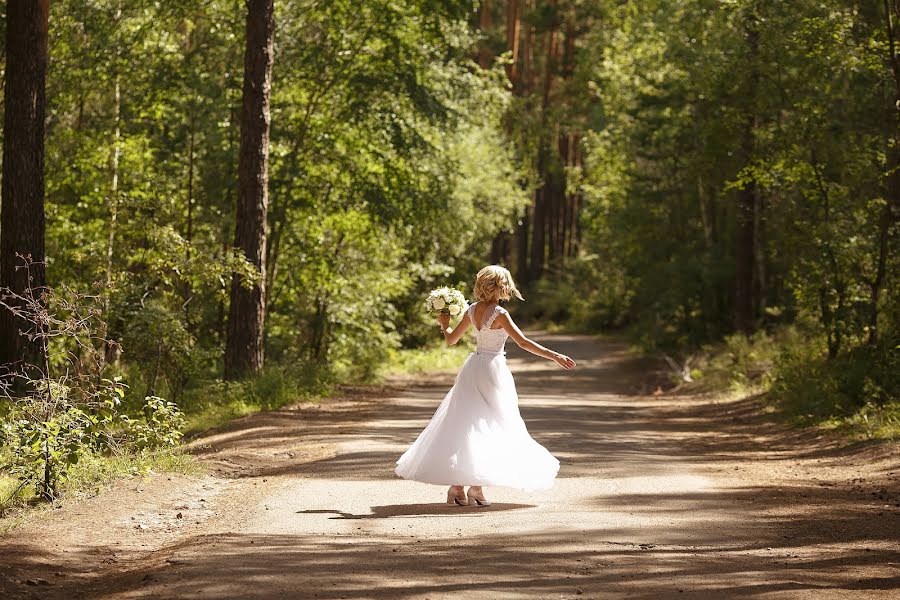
[{"x": 477, "y": 437}]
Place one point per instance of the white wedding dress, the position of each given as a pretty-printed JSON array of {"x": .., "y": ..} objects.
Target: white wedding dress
[{"x": 477, "y": 436}]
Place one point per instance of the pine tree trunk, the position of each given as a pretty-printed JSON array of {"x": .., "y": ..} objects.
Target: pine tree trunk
[
  {"x": 519, "y": 77},
  {"x": 892, "y": 204},
  {"x": 748, "y": 204},
  {"x": 513, "y": 25},
  {"x": 522, "y": 273},
  {"x": 538, "y": 229},
  {"x": 485, "y": 56},
  {"x": 543, "y": 199},
  {"x": 22, "y": 195},
  {"x": 574, "y": 232},
  {"x": 246, "y": 315}
]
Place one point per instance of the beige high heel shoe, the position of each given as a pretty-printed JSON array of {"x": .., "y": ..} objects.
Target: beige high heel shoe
[
  {"x": 453, "y": 498},
  {"x": 476, "y": 501}
]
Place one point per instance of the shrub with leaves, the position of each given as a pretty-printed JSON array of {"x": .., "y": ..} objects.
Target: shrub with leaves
[
  {"x": 60, "y": 403},
  {"x": 160, "y": 427}
]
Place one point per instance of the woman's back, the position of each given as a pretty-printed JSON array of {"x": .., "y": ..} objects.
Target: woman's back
[{"x": 483, "y": 321}]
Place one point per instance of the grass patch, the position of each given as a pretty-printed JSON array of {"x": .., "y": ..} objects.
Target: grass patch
[
  {"x": 207, "y": 406},
  {"x": 94, "y": 472},
  {"x": 740, "y": 364},
  {"x": 855, "y": 393},
  {"x": 436, "y": 358},
  {"x": 89, "y": 477},
  {"x": 215, "y": 403},
  {"x": 13, "y": 493}
]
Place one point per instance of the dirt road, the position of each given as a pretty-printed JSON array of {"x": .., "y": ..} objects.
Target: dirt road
[{"x": 658, "y": 497}]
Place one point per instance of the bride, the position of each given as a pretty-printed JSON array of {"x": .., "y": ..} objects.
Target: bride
[{"x": 477, "y": 437}]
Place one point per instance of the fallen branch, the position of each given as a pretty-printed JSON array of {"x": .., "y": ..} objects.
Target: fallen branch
[{"x": 682, "y": 372}]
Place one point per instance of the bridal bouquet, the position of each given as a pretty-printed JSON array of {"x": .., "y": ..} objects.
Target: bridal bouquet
[{"x": 446, "y": 300}]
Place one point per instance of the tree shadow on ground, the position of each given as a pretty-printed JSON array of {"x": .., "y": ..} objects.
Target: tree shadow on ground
[{"x": 536, "y": 565}]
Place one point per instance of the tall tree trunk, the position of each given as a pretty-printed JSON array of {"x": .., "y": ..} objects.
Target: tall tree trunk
[
  {"x": 522, "y": 273},
  {"x": 562, "y": 198},
  {"x": 22, "y": 195},
  {"x": 111, "y": 350},
  {"x": 500, "y": 248},
  {"x": 574, "y": 231},
  {"x": 246, "y": 315},
  {"x": 189, "y": 224},
  {"x": 519, "y": 73},
  {"x": 538, "y": 228},
  {"x": 747, "y": 210},
  {"x": 569, "y": 150},
  {"x": 543, "y": 199},
  {"x": 114, "y": 184},
  {"x": 513, "y": 25},
  {"x": 892, "y": 205},
  {"x": 485, "y": 56}
]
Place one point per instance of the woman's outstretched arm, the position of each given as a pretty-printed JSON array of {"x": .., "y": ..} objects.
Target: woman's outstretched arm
[
  {"x": 530, "y": 346},
  {"x": 453, "y": 335}
]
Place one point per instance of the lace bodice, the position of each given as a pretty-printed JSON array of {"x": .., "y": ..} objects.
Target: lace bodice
[{"x": 489, "y": 340}]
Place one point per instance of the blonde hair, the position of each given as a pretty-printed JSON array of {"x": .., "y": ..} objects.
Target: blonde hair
[{"x": 495, "y": 281}]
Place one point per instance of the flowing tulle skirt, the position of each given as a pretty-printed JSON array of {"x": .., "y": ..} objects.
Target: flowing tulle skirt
[{"x": 477, "y": 436}]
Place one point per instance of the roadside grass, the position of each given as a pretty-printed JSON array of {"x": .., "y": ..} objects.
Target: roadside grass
[
  {"x": 215, "y": 403},
  {"x": 205, "y": 407},
  {"x": 435, "y": 358},
  {"x": 89, "y": 477},
  {"x": 854, "y": 394}
]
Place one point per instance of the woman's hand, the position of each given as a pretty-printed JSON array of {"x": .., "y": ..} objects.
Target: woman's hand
[
  {"x": 564, "y": 361},
  {"x": 444, "y": 320}
]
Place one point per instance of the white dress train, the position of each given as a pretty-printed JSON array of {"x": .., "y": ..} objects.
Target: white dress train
[{"x": 477, "y": 436}]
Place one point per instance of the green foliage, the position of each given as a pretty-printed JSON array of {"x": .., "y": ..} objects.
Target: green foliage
[
  {"x": 214, "y": 403},
  {"x": 705, "y": 104},
  {"x": 434, "y": 358},
  {"x": 389, "y": 173},
  {"x": 857, "y": 392},
  {"x": 160, "y": 427},
  {"x": 63, "y": 407},
  {"x": 45, "y": 436},
  {"x": 42, "y": 451},
  {"x": 585, "y": 294},
  {"x": 695, "y": 111},
  {"x": 744, "y": 364}
]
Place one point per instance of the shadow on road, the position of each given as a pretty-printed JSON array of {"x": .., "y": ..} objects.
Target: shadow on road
[
  {"x": 419, "y": 510},
  {"x": 534, "y": 565}
]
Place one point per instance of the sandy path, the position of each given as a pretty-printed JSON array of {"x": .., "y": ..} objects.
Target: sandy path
[{"x": 658, "y": 497}]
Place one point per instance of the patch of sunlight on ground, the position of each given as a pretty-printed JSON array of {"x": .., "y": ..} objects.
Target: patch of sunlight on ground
[{"x": 660, "y": 484}]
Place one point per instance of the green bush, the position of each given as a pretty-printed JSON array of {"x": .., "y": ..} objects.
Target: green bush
[
  {"x": 857, "y": 391},
  {"x": 160, "y": 427},
  {"x": 64, "y": 407}
]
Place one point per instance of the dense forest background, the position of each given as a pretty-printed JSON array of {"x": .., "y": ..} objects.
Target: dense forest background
[{"x": 700, "y": 173}]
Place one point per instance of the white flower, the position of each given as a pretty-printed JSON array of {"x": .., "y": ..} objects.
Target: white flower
[
  {"x": 438, "y": 303},
  {"x": 454, "y": 309}
]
